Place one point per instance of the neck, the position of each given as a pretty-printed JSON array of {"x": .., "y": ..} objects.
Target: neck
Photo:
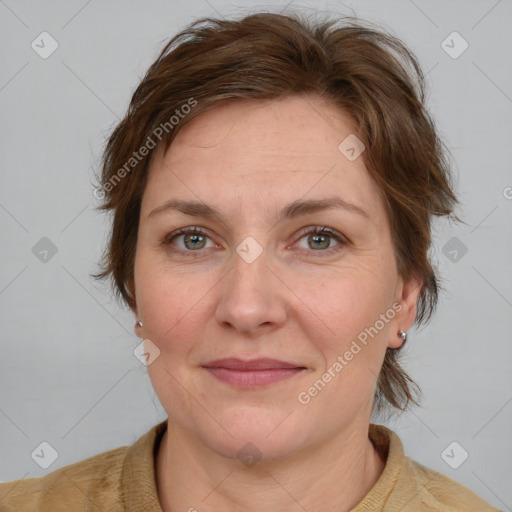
[{"x": 335, "y": 476}]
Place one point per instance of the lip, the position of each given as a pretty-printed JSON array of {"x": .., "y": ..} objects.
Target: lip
[
  {"x": 262, "y": 363},
  {"x": 252, "y": 373}
]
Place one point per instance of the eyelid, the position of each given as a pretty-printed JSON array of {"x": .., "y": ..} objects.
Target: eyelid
[{"x": 317, "y": 229}]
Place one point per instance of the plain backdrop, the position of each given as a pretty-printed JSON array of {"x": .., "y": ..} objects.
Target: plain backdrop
[{"x": 68, "y": 375}]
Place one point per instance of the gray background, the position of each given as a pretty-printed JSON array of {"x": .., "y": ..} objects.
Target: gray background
[{"x": 68, "y": 375}]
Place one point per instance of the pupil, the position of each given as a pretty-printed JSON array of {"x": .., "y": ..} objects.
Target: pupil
[
  {"x": 195, "y": 239},
  {"x": 318, "y": 238}
]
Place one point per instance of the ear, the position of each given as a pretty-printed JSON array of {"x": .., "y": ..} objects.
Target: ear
[{"x": 407, "y": 297}]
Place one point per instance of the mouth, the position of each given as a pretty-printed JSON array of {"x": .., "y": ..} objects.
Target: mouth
[{"x": 252, "y": 373}]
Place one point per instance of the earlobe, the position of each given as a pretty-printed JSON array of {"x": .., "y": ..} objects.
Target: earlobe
[
  {"x": 398, "y": 339},
  {"x": 408, "y": 299},
  {"x": 137, "y": 327},
  {"x": 403, "y": 335}
]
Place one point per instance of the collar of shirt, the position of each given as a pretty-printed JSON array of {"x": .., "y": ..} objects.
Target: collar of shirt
[{"x": 139, "y": 476}]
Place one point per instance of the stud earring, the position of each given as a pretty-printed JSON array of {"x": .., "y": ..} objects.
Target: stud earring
[
  {"x": 139, "y": 324},
  {"x": 402, "y": 334}
]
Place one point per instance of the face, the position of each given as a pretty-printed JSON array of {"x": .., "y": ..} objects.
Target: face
[{"x": 254, "y": 280}]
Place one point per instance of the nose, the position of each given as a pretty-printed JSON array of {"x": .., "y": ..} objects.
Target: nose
[{"x": 252, "y": 298}]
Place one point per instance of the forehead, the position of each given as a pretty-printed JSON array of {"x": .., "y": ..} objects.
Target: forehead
[{"x": 266, "y": 152}]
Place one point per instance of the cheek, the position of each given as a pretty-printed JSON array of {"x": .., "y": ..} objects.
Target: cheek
[
  {"x": 175, "y": 301},
  {"x": 171, "y": 303},
  {"x": 354, "y": 346},
  {"x": 347, "y": 302},
  {"x": 173, "y": 307}
]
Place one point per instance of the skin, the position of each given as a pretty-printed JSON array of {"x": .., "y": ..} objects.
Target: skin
[{"x": 295, "y": 302}]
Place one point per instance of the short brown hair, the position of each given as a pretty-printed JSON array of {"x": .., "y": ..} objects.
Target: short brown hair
[{"x": 365, "y": 71}]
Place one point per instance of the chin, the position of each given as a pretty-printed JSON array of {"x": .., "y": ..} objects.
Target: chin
[{"x": 257, "y": 434}]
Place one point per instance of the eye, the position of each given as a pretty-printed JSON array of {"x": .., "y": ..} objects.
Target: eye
[
  {"x": 193, "y": 239},
  {"x": 319, "y": 240}
]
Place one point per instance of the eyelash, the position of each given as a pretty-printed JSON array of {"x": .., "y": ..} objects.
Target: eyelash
[{"x": 317, "y": 230}]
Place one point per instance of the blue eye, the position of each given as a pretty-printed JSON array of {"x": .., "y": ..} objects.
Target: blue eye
[{"x": 195, "y": 239}]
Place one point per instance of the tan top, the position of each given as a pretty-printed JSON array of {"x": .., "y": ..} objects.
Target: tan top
[{"x": 123, "y": 479}]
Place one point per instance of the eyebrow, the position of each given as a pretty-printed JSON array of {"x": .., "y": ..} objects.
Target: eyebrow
[{"x": 290, "y": 211}]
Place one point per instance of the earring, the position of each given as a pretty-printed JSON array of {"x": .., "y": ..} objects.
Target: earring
[
  {"x": 402, "y": 334},
  {"x": 139, "y": 324}
]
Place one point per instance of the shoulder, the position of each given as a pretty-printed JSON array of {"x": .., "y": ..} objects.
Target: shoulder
[
  {"x": 116, "y": 480},
  {"x": 91, "y": 484},
  {"x": 436, "y": 491},
  {"x": 407, "y": 485}
]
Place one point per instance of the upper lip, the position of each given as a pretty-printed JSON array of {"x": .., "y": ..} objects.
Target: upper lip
[{"x": 233, "y": 363}]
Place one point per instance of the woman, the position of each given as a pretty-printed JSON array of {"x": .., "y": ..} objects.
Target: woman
[{"x": 272, "y": 185}]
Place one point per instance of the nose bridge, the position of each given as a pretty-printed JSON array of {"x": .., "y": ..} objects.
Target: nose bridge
[
  {"x": 250, "y": 264},
  {"x": 249, "y": 282},
  {"x": 250, "y": 296}
]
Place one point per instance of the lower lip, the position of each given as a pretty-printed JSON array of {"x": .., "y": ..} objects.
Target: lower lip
[{"x": 254, "y": 378}]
